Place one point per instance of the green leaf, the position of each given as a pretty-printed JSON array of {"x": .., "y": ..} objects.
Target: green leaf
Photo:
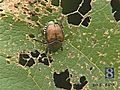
[{"x": 97, "y": 46}]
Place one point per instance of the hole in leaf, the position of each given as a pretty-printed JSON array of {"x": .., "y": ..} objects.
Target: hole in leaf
[
  {"x": 17, "y": 5},
  {"x": 86, "y": 7},
  {"x": 24, "y": 55},
  {"x": 74, "y": 19},
  {"x": 9, "y": 57},
  {"x": 82, "y": 79},
  {"x": 1, "y": 1},
  {"x": 43, "y": 3},
  {"x": 22, "y": 61},
  {"x": 69, "y": 6},
  {"x": 45, "y": 60},
  {"x": 62, "y": 80},
  {"x": 30, "y": 62},
  {"x": 82, "y": 83},
  {"x": 46, "y": 0},
  {"x": 8, "y": 62},
  {"x": 55, "y": 2},
  {"x": 91, "y": 68},
  {"x": 79, "y": 86},
  {"x": 37, "y": 9},
  {"x": 31, "y": 36},
  {"x": 1, "y": 10},
  {"x": 117, "y": 15},
  {"x": 86, "y": 21},
  {"x": 115, "y": 4},
  {"x": 25, "y": 60},
  {"x": 50, "y": 59},
  {"x": 2, "y": 14},
  {"x": 49, "y": 9},
  {"x": 43, "y": 55},
  {"x": 34, "y": 18},
  {"x": 35, "y": 54}
]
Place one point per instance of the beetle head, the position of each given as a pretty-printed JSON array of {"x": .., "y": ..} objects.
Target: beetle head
[{"x": 54, "y": 46}]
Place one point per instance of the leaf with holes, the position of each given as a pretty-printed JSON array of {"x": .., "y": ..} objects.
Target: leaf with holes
[{"x": 91, "y": 50}]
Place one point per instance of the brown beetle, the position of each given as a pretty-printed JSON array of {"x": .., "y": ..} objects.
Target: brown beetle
[{"x": 54, "y": 36}]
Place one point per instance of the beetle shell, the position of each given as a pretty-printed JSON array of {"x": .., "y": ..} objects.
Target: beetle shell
[{"x": 54, "y": 36}]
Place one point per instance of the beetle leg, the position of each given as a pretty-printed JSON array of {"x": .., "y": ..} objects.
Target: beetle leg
[
  {"x": 61, "y": 26},
  {"x": 61, "y": 48},
  {"x": 44, "y": 42},
  {"x": 46, "y": 51},
  {"x": 50, "y": 52},
  {"x": 44, "y": 30},
  {"x": 38, "y": 40}
]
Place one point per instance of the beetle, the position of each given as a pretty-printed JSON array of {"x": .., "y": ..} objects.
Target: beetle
[{"x": 54, "y": 36}]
